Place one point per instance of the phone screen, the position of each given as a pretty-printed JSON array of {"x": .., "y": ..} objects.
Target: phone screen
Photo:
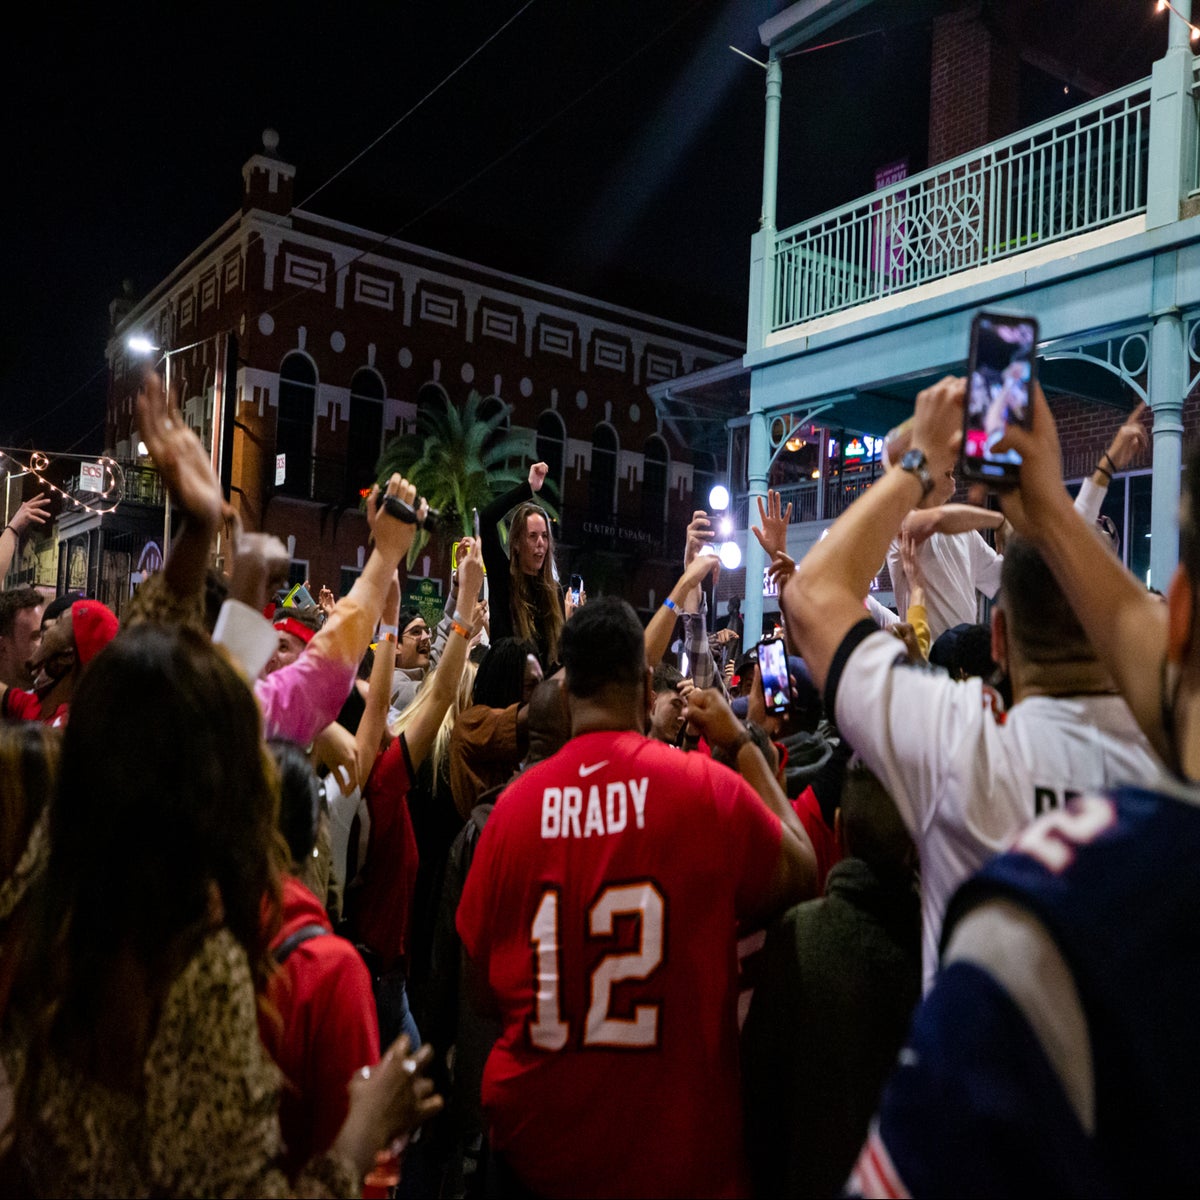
[
  {"x": 773, "y": 667},
  {"x": 999, "y": 374},
  {"x": 576, "y": 587}
]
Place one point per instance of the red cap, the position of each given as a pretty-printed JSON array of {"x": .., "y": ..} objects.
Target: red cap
[
  {"x": 94, "y": 625},
  {"x": 287, "y": 624}
]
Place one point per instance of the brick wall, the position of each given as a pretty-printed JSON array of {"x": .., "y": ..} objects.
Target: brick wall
[{"x": 973, "y": 84}]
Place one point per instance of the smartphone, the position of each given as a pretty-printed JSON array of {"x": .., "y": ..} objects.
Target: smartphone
[
  {"x": 576, "y": 587},
  {"x": 773, "y": 668},
  {"x": 475, "y": 522},
  {"x": 1000, "y": 373}
]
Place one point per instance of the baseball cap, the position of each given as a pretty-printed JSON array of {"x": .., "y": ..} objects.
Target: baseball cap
[{"x": 94, "y": 625}]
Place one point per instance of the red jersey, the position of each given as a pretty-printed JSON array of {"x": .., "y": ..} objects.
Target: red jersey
[{"x": 602, "y": 906}]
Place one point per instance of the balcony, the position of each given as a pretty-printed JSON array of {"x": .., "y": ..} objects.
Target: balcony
[{"x": 1072, "y": 175}]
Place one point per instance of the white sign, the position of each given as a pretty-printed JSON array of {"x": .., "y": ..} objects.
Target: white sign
[
  {"x": 91, "y": 477},
  {"x": 280, "y": 468}
]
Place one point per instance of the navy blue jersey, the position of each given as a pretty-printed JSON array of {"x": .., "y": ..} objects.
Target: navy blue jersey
[{"x": 976, "y": 1106}]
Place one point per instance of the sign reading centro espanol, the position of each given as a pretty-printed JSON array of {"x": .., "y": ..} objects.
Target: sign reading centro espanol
[{"x": 625, "y": 537}]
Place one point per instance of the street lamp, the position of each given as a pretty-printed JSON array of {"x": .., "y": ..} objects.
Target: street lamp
[{"x": 139, "y": 344}]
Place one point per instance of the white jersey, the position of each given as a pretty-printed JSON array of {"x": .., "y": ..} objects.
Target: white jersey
[
  {"x": 956, "y": 567},
  {"x": 965, "y": 778}
]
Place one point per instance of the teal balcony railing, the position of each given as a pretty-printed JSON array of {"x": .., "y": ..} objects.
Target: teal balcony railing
[{"x": 1077, "y": 172}]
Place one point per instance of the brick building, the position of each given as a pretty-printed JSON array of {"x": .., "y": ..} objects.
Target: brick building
[{"x": 290, "y": 334}]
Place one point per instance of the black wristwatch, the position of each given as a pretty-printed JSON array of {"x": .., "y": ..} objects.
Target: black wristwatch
[{"x": 915, "y": 463}]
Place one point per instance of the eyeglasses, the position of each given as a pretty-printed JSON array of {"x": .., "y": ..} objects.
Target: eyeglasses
[{"x": 417, "y": 634}]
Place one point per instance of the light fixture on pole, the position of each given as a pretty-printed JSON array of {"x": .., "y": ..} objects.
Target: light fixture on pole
[{"x": 139, "y": 344}]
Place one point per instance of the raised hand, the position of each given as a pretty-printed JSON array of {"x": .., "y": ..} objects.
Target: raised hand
[
  {"x": 393, "y": 536},
  {"x": 1129, "y": 441},
  {"x": 470, "y": 573},
  {"x": 782, "y": 568},
  {"x": 537, "y": 475},
  {"x": 33, "y": 511},
  {"x": 699, "y": 533},
  {"x": 772, "y": 530},
  {"x": 180, "y": 458},
  {"x": 326, "y": 601},
  {"x": 1040, "y": 495}
]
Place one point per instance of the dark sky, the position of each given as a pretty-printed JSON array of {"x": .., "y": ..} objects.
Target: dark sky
[{"x": 613, "y": 147}]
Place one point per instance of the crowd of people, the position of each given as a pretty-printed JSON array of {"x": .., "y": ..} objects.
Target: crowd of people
[{"x": 318, "y": 899}]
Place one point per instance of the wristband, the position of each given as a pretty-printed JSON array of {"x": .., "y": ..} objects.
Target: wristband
[
  {"x": 389, "y": 636},
  {"x": 669, "y": 603},
  {"x": 459, "y": 628},
  {"x": 1112, "y": 464},
  {"x": 8, "y": 528},
  {"x": 458, "y": 619},
  {"x": 389, "y": 631},
  {"x": 1104, "y": 471}
]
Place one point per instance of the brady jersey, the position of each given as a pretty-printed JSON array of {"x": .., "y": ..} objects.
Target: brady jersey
[
  {"x": 602, "y": 907},
  {"x": 985, "y": 1100},
  {"x": 965, "y": 778}
]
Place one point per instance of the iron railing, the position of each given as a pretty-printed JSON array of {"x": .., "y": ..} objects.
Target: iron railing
[
  {"x": 1082, "y": 170},
  {"x": 839, "y": 495}
]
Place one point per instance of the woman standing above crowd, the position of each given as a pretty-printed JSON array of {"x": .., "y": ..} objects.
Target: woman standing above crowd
[{"x": 526, "y": 599}]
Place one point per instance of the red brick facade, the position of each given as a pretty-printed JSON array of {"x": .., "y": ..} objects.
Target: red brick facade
[{"x": 305, "y": 295}]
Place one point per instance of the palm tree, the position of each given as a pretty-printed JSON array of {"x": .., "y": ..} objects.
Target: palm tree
[{"x": 458, "y": 460}]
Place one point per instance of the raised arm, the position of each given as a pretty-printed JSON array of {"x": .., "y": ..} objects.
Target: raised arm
[
  {"x": 1129, "y": 441},
  {"x": 188, "y": 476},
  {"x": 658, "y": 631},
  {"x": 374, "y": 717},
  {"x": 823, "y": 599},
  {"x": 1126, "y": 625},
  {"x": 796, "y": 875},
  {"x": 419, "y": 734},
  {"x": 34, "y": 511}
]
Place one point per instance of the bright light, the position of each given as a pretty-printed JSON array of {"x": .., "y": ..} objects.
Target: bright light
[
  {"x": 718, "y": 498},
  {"x": 731, "y": 556},
  {"x": 142, "y": 451},
  {"x": 138, "y": 343},
  {"x": 725, "y": 528}
]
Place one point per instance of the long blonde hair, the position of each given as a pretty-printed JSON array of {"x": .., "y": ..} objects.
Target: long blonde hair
[
  {"x": 441, "y": 741},
  {"x": 535, "y": 599}
]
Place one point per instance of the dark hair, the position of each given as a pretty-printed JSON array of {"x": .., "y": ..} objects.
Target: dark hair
[
  {"x": 13, "y": 601},
  {"x": 59, "y": 605},
  {"x": 29, "y": 754},
  {"x": 965, "y": 651},
  {"x": 665, "y": 678},
  {"x": 603, "y": 644},
  {"x": 216, "y": 592},
  {"x": 500, "y": 680},
  {"x": 534, "y": 599},
  {"x": 549, "y": 721},
  {"x": 872, "y": 827},
  {"x": 310, "y": 615},
  {"x": 299, "y": 798},
  {"x": 1040, "y": 620},
  {"x": 164, "y": 790}
]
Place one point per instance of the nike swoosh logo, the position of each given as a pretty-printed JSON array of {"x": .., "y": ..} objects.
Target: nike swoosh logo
[{"x": 584, "y": 772}]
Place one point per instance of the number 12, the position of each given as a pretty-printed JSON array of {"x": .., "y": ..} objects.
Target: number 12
[{"x": 547, "y": 1029}]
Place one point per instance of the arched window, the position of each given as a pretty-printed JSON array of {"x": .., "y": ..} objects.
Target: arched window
[
  {"x": 654, "y": 483},
  {"x": 296, "y": 421},
  {"x": 552, "y": 446},
  {"x": 603, "y": 485},
  {"x": 364, "y": 439}
]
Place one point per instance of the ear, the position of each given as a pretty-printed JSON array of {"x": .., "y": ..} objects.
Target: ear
[
  {"x": 1000, "y": 638},
  {"x": 1181, "y": 611}
]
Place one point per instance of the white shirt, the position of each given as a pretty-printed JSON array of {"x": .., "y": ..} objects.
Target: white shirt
[
  {"x": 956, "y": 566},
  {"x": 966, "y": 779}
]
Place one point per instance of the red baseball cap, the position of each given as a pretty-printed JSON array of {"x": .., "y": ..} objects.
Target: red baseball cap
[{"x": 94, "y": 626}]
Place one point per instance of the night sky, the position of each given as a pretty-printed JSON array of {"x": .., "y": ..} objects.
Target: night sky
[{"x": 613, "y": 147}]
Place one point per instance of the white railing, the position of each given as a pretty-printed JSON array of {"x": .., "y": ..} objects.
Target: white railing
[{"x": 1077, "y": 172}]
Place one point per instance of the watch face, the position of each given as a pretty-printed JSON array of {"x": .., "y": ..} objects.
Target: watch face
[{"x": 913, "y": 460}]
